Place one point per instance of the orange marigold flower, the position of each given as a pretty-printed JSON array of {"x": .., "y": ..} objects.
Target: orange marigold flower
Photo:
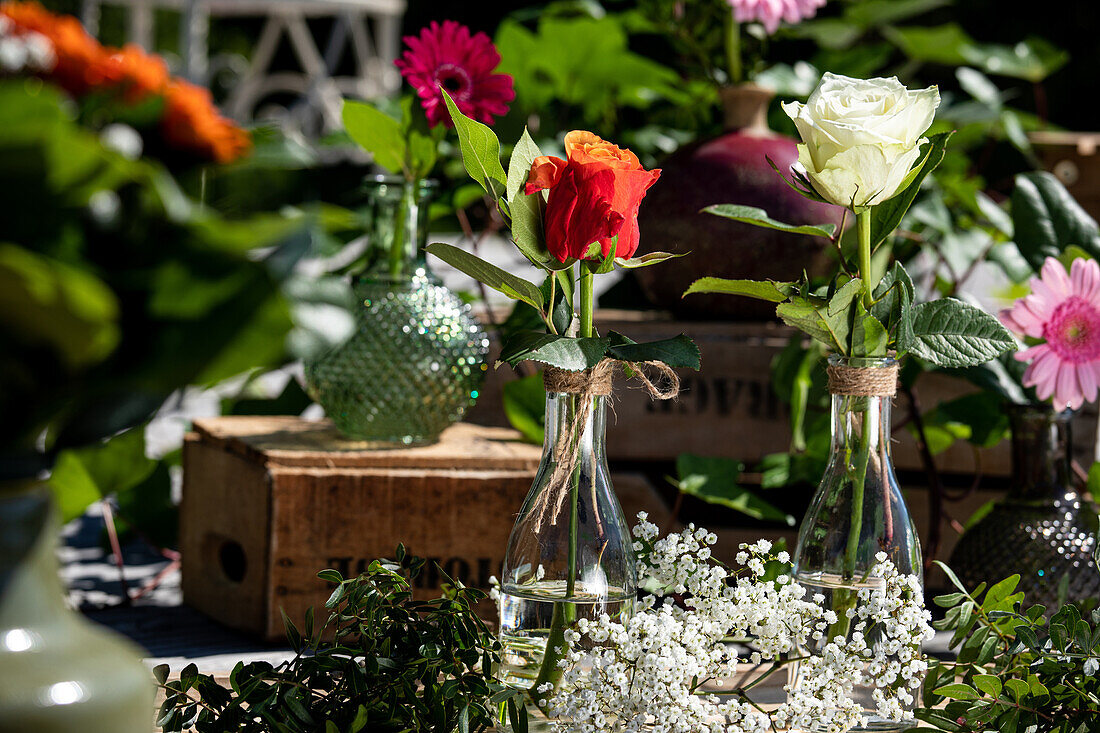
[
  {"x": 82, "y": 63},
  {"x": 191, "y": 122},
  {"x": 140, "y": 74}
]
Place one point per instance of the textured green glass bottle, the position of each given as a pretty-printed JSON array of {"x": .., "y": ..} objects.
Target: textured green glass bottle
[{"x": 416, "y": 359}]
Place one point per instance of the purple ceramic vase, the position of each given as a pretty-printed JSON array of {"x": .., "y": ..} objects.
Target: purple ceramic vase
[{"x": 730, "y": 169}]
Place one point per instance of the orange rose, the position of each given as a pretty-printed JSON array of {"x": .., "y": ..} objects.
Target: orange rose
[{"x": 594, "y": 196}]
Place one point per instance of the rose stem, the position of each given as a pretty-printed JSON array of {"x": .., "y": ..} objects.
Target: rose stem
[
  {"x": 565, "y": 612},
  {"x": 863, "y": 222}
]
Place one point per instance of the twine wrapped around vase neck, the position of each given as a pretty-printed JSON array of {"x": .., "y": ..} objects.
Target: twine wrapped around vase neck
[
  {"x": 863, "y": 381},
  {"x": 594, "y": 382}
]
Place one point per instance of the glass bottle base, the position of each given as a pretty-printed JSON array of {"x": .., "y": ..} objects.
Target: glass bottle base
[{"x": 525, "y": 621}]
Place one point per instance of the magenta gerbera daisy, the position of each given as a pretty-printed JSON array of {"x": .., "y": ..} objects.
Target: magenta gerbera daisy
[
  {"x": 448, "y": 56},
  {"x": 1063, "y": 310}
]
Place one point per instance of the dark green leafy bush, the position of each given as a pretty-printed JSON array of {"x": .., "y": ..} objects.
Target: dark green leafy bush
[
  {"x": 382, "y": 662},
  {"x": 1016, "y": 670}
]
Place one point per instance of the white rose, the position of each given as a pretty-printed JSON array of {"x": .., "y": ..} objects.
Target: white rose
[{"x": 861, "y": 137}]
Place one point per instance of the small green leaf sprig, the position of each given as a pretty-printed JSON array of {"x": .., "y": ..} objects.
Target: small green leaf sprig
[
  {"x": 1016, "y": 670},
  {"x": 566, "y": 342},
  {"x": 860, "y": 314},
  {"x": 382, "y": 662}
]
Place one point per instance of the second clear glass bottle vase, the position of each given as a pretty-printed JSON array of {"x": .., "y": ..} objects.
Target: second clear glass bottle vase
[
  {"x": 570, "y": 553},
  {"x": 858, "y": 511}
]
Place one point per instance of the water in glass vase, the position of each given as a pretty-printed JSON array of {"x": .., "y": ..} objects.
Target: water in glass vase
[
  {"x": 841, "y": 593},
  {"x": 526, "y": 618},
  {"x": 857, "y": 513}
]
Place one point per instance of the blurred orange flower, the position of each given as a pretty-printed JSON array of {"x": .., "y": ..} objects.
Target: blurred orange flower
[
  {"x": 190, "y": 121},
  {"x": 140, "y": 74},
  {"x": 82, "y": 63}
]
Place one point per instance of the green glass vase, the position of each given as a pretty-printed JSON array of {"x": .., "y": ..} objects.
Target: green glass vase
[
  {"x": 58, "y": 672},
  {"x": 416, "y": 358}
]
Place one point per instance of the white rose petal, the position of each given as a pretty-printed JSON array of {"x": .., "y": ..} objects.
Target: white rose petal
[{"x": 861, "y": 137}]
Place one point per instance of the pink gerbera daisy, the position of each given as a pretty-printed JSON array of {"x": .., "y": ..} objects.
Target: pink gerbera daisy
[
  {"x": 770, "y": 12},
  {"x": 1063, "y": 310},
  {"x": 448, "y": 56}
]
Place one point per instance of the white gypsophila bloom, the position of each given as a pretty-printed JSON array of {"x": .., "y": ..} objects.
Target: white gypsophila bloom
[
  {"x": 23, "y": 51},
  {"x": 123, "y": 139},
  {"x": 861, "y": 137},
  {"x": 644, "y": 673}
]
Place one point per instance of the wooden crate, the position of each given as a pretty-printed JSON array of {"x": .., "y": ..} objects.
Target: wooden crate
[
  {"x": 270, "y": 501},
  {"x": 729, "y": 407}
]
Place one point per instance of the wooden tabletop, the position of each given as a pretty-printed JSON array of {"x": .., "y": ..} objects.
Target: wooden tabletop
[{"x": 292, "y": 441}]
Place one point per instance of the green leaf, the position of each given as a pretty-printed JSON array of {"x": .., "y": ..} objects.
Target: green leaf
[
  {"x": 951, "y": 576},
  {"x": 330, "y": 575},
  {"x": 868, "y": 337},
  {"x": 489, "y": 274},
  {"x": 809, "y": 317},
  {"x": 893, "y": 306},
  {"x": 950, "y": 333},
  {"x": 776, "y": 292},
  {"x": 524, "y": 405},
  {"x": 1017, "y": 687},
  {"x": 941, "y": 44},
  {"x": 678, "y": 352},
  {"x": 377, "y": 133},
  {"x": 160, "y": 673},
  {"x": 886, "y": 216},
  {"x": 760, "y": 218},
  {"x": 528, "y": 233},
  {"x": 292, "y": 634},
  {"x": 1033, "y": 59},
  {"x": 958, "y": 691},
  {"x": 527, "y": 212},
  {"x": 85, "y": 475},
  {"x": 989, "y": 684},
  {"x": 1047, "y": 219},
  {"x": 480, "y": 151},
  {"x": 652, "y": 258},
  {"x": 601, "y": 265},
  {"x": 519, "y": 165},
  {"x": 52, "y": 304},
  {"x": 714, "y": 480},
  {"x": 563, "y": 352}
]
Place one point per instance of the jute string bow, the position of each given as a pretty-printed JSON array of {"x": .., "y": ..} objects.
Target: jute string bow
[{"x": 594, "y": 382}]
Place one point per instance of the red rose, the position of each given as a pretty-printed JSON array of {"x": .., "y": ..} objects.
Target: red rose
[{"x": 594, "y": 196}]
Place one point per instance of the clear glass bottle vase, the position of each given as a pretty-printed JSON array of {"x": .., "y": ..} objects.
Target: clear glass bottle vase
[
  {"x": 570, "y": 554},
  {"x": 857, "y": 512},
  {"x": 416, "y": 358}
]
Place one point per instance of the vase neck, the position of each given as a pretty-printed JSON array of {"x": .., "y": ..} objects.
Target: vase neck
[
  {"x": 396, "y": 215},
  {"x": 562, "y": 410},
  {"x": 1041, "y": 452},
  {"x": 853, "y": 418},
  {"x": 745, "y": 108},
  {"x": 30, "y": 591}
]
